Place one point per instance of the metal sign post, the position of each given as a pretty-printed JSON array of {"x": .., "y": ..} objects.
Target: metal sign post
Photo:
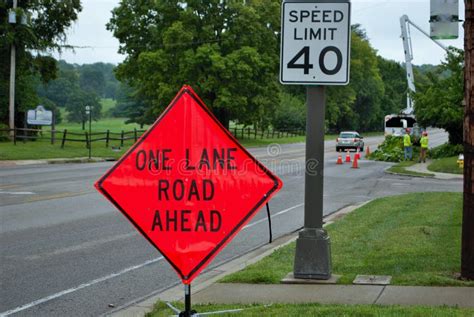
[
  {"x": 89, "y": 113},
  {"x": 315, "y": 50},
  {"x": 187, "y": 302},
  {"x": 313, "y": 252}
]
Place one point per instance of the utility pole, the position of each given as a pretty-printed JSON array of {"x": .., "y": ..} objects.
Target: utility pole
[
  {"x": 12, "y": 81},
  {"x": 467, "y": 248}
]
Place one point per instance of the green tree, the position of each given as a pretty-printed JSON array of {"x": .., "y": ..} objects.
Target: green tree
[
  {"x": 92, "y": 79},
  {"x": 226, "y": 50},
  {"x": 45, "y": 30},
  {"x": 395, "y": 86},
  {"x": 439, "y": 104},
  {"x": 76, "y": 107},
  {"x": 290, "y": 114},
  {"x": 367, "y": 83},
  {"x": 357, "y": 106},
  {"x": 59, "y": 89},
  {"x": 130, "y": 106}
]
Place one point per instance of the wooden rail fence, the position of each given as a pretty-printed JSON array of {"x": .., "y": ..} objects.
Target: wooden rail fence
[{"x": 65, "y": 136}]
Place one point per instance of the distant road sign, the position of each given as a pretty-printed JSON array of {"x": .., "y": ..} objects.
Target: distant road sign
[
  {"x": 315, "y": 42},
  {"x": 188, "y": 186},
  {"x": 39, "y": 116}
]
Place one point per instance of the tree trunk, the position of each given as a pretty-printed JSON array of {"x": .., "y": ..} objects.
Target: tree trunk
[
  {"x": 222, "y": 114},
  {"x": 467, "y": 248},
  {"x": 83, "y": 125}
]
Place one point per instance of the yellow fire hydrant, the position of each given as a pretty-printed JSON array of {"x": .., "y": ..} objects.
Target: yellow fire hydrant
[{"x": 460, "y": 161}]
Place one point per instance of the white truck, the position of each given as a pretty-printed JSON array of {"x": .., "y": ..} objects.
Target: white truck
[{"x": 395, "y": 124}]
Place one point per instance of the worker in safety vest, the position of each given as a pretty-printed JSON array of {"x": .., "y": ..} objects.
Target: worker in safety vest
[
  {"x": 424, "y": 146},
  {"x": 407, "y": 145}
]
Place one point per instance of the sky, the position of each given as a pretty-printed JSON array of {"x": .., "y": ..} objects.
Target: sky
[{"x": 380, "y": 19}]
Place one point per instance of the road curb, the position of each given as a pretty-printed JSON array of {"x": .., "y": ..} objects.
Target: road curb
[
  {"x": 421, "y": 176},
  {"x": 409, "y": 175},
  {"x": 208, "y": 278}
]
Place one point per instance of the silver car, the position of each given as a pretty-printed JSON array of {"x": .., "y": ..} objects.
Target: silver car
[{"x": 349, "y": 140}]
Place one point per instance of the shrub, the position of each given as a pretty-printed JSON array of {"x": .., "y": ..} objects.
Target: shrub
[
  {"x": 445, "y": 150},
  {"x": 290, "y": 114},
  {"x": 4, "y": 134},
  {"x": 391, "y": 150}
]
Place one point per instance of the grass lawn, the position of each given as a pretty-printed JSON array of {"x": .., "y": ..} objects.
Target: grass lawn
[
  {"x": 266, "y": 141},
  {"x": 42, "y": 149},
  {"x": 112, "y": 124},
  {"x": 161, "y": 309},
  {"x": 107, "y": 105},
  {"x": 400, "y": 168},
  {"x": 413, "y": 237},
  {"x": 446, "y": 165}
]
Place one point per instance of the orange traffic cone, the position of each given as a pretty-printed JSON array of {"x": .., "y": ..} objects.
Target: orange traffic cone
[
  {"x": 355, "y": 164},
  {"x": 367, "y": 152},
  {"x": 348, "y": 157},
  {"x": 339, "y": 159},
  {"x": 357, "y": 155}
]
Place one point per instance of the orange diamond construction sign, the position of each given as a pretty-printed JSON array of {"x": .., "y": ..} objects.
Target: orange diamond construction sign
[{"x": 188, "y": 185}]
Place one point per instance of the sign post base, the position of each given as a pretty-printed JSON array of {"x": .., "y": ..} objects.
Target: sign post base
[{"x": 313, "y": 255}]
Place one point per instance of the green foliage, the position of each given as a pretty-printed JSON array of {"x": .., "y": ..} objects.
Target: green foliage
[
  {"x": 92, "y": 80},
  {"x": 59, "y": 89},
  {"x": 49, "y": 105},
  {"x": 368, "y": 85},
  {"x": 4, "y": 136},
  {"x": 395, "y": 86},
  {"x": 445, "y": 150},
  {"x": 290, "y": 113},
  {"x": 46, "y": 30},
  {"x": 128, "y": 106},
  {"x": 76, "y": 106},
  {"x": 108, "y": 106},
  {"x": 391, "y": 150},
  {"x": 439, "y": 104},
  {"x": 227, "y": 51},
  {"x": 78, "y": 86}
]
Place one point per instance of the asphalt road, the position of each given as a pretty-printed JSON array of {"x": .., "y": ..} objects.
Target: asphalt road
[{"x": 66, "y": 251}]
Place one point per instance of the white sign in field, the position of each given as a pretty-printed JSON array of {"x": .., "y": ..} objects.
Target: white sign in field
[{"x": 315, "y": 42}]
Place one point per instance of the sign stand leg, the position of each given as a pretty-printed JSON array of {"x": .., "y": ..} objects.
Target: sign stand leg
[
  {"x": 187, "y": 302},
  {"x": 269, "y": 224},
  {"x": 313, "y": 252}
]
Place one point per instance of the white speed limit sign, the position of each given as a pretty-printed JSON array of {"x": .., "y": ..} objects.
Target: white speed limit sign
[{"x": 315, "y": 42}]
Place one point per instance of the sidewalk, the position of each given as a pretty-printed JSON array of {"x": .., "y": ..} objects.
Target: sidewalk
[
  {"x": 206, "y": 289},
  {"x": 423, "y": 168},
  {"x": 335, "y": 294}
]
